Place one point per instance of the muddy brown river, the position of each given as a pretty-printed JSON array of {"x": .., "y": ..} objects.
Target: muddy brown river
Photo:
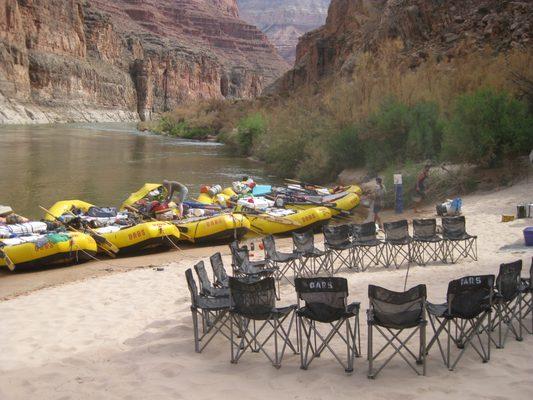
[{"x": 103, "y": 163}]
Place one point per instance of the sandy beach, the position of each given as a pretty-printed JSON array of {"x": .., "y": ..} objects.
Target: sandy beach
[{"x": 122, "y": 329}]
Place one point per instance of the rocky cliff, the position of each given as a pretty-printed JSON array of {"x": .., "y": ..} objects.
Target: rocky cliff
[
  {"x": 424, "y": 29},
  {"x": 101, "y": 60},
  {"x": 284, "y": 21}
]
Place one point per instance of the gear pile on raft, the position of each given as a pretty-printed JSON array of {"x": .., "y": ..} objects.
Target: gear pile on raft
[{"x": 159, "y": 217}]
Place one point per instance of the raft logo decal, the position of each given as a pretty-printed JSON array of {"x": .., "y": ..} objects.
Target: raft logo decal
[{"x": 136, "y": 235}]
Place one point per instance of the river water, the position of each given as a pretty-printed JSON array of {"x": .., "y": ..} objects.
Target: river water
[{"x": 103, "y": 163}]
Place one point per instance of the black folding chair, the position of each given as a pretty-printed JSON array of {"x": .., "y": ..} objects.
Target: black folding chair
[
  {"x": 367, "y": 249},
  {"x": 312, "y": 259},
  {"x": 221, "y": 278},
  {"x": 206, "y": 288},
  {"x": 258, "y": 322},
  {"x": 390, "y": 314},
  {"x": 283, "y": 263},
  {"x": 213, "y": 312},
  {"x": 398, "y": 243},
  {"x": 465, "y": 317},
  {"x": 459, "y": 244},
  {"x": 507, "y": 301},
  {"x": 427, "y": 244},
  {"x": 338, "y": 245},
  {"x": 526, "y": 306},
  {"x": 246, "y": 269},
  {"x": 326, "y": 304}
]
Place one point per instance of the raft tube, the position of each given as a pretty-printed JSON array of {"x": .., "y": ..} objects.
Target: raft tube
[
  {"x": 26, "y": 254},
  {"x": 128, "y": 239}
]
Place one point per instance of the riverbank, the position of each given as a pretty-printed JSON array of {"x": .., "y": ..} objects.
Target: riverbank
[
  {"x": 15, "y": 112},
  {"x": 129, "y": 335},
  {"x": 483, "y": 211}
]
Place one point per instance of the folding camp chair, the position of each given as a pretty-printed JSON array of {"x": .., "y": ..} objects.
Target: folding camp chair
[
  {"x": 391, "y": 313},
  {"x": 459, "y": 244},
  {"x": 283, "y": 263},
  {"x": 206, "y": 288},
  {"x": 367, "y": 250},
  {"x": 312, "y": 259},
  {"x": 258, "y": 322},
  {"x": 507, "y": 301},
  {"x": 427, "y": 245},
  {"x": 246, "y": 269},
  {"x": 338, "y": 245},
  {"x": 398, "y": 243},
  {"x": 526, "y": 305},
  {"x": 326, "y": 304},
  {"x": 213, "y": 313},
  {"x": 465, "y": 317},
  {"x": 221, "y": 278}
]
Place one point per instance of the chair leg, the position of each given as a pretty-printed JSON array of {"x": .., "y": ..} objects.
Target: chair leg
[{"x": 370, "y": 355}]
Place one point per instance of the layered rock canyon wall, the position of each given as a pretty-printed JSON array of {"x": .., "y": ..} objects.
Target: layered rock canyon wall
[
  {"x": 101, "y": 60},
  {"x": 284, "y": 21},
  {"x": 424, "y": 30}
]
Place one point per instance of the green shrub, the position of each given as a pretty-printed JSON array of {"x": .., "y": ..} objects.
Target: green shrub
[
  {"x": 345, "y": 147},
  {"x": 386, "y": 135},
  {"x": 487, "y": 126},
  {"x": 249, "y": 130},
  {"x": 424, "y": 137}
]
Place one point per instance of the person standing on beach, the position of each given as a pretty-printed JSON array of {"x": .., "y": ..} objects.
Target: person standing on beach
[
  {"x": 379, "y": 195},
  {"x": 420, "y": 188}
]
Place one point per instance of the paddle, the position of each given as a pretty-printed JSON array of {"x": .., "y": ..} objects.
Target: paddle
[
  {"x": 343, "y": 213},
  {"x": 250, "y": 211},
  {"x": 10, "y": 264},
  {"x": 109, "y": 248}
]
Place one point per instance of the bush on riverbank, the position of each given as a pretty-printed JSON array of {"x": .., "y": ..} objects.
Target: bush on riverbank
[{"x": 464, "y": 110}]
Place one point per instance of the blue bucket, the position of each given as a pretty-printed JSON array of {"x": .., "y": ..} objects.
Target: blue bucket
[{"x": 528, "y": 236}]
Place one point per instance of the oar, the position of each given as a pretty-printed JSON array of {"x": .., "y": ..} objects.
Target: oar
[
  {"x": 309, "y": 184},
  {"x": 272, "y": 218},
  {"x": 135, "y": 210},
  {"x": 10, "y": 264},
  {"x": 104, "y": 244}
]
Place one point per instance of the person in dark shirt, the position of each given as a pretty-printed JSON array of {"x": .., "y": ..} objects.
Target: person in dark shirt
[{"x": 421, "y": 187}]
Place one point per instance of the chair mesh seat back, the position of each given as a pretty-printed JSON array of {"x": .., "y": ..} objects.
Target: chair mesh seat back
[
  {"x": 304, "y": 242},
  {"x": 270, "y": 247},
  {"x": 364, "y": 232},
  {"x": 397, "y": 230},
  {"x": 325, "y": 298},
  {"x": 193, "y": 289},
  {"x": 218, "y": 267},
  {"x": 508, "y": 281},
  {"x": 253, "y": 300},
  {"x": 454, "y": 227},
  {"x": 469, "y": 296},
  {"x": 531, "y": 274},
  {"x": 205, "y": 284},
  {"x": 424, "y": 228},
  {"x": 337, "y": 235},
  {"x": 397, "y": 309},
  {"x": 239, "y": 254}
]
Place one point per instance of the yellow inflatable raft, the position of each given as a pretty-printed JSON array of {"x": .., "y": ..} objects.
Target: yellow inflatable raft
[
  {"x": 279, "y": 221},
  {"x": 221, "y": 227},
  {"x": 128, "y": 239},
  {"x": 36, "y": 251}
]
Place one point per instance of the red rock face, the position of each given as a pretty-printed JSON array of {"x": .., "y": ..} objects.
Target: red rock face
[
  {"x": 439, "y": 30},
  {"x": 126, "y": 56},
  {"x": 284, "y": 21}
]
